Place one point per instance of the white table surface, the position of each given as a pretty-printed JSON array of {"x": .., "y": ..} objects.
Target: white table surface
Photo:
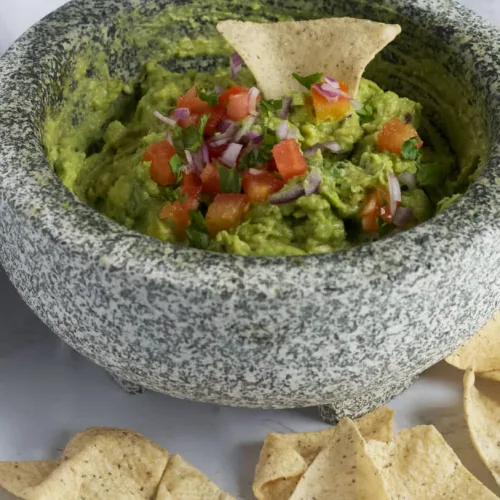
[{"x": 48, "y": 392}]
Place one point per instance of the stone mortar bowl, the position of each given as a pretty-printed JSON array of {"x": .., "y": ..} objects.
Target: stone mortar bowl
[{"x": 348, "y": 330}]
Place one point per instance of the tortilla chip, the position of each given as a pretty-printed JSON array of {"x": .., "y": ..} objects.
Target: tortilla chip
[
  {"x": 182, "y": 481},
  {"x": 103, "y": 464},
  {"x": 481, "y": 352},
  {"x": 16, "y": 477},
  {"x": 482, "y": 414},
  {"x": 343, "y": 470},
  {"x": 340, "y": 47},
  {"x": 279, "y": 469},
  {"x": 285, "y": 457},
  {"x": 419, "y": 465}
]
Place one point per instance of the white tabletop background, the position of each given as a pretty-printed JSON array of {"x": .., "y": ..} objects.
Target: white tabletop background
[{"x": 48, "y": 392}]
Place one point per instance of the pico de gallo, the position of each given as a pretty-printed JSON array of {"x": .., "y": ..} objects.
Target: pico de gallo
[{"x": 219, "y": 167}]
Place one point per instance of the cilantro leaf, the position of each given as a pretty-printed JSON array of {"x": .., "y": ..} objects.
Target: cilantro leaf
[
  {"x": 191, "y": 137},
  {"x": 271, "y": 105},
  {"x": 176, "y": 166},
  {"x": 197, "y": 230},
  {"x": 230, "y": 179},
  {"x": 409, "y": 150},
  {"x": 307, "y": 81},
  {"x": 431, "y": 174},
  {"x": 209, "y": 96},
  {"x": 366, "y": 113},
  {"x": 256, "y": 157}
]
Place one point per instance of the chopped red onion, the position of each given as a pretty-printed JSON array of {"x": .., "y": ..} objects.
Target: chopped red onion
[
  {"x": 408, "y": 180},
  {"x": 282, "y": 130},
  {"x": 187, "y": 169},
  {"x": 198, "y": 164},
  {"x": 165, "y": 119},
  {"x": 325, "y": 91},
  {"x": 224, "y": 125},
  {"x": 254, "y": 137},
  {"x": 402, "y": 216},
  {"x": 246, "y": 125},
  {"x": 224, "y": 138},
  {"x": 287, "y": 195},
  {"x": 332, "y": 146},
  {"x": 332, "y": 82},
  {"x": 253, "y": 94},
  {"x": 219, "y": 89},
  {"x": 312, "y": 183},
  {"x": 312, "y": 150},
  {"x": 235, "y": 64},
  {"x": 204, "y": 154},
  {"x": 285, "y": 108},
  {"x": 189, "y": 157},
  {"x": 255, "y": 171},
  {"x": 182, "y": 113},
  {"x": 336, "y": 91},
  {"x": 230, "y": 155},
  {"x": 394, "y": 193}
]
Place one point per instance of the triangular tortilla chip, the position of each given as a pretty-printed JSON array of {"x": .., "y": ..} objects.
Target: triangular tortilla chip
[
  {"x": 419, "y": 465},
  {"x": 279, "y": 469},
  {"x": 339, "y": 47},
  {"x": 342, "y": 470},
  {"x": 482, "y": 413},
  {"x": 182, "y": 481},
  {"x": 103, "y": 464},
  {"x": 285, "y": 457},
  {"x": 481, "y": 352},
  {"x": 16, "y": 477}
]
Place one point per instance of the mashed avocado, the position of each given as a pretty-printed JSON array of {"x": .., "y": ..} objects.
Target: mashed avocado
[{"x": 98, "y": 138}]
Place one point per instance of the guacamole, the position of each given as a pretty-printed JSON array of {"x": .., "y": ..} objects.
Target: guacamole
[{"x": 200, "y": 158}]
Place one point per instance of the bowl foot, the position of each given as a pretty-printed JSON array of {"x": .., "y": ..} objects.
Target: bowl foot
[
  {"x": 359, "y": 406},
  {"x": 128, "y": 387}
]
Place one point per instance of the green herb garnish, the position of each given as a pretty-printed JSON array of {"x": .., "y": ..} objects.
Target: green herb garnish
[
  {"x": 256, "y": 157},
  {"x": 209, "y": 96},
  {"x": 366, "y": 113},
  {"x": 271, "y": 105},
  {"x": 176, "y": 166},
  {"x": 431, "y": 174},
  {"x": 307, "y": 81},
  {"x": 229, "y": 178},
  {"x": 197, "y": 230},
  {"x": 191, "y": 137},
  {"x": 410, "y": 151}
]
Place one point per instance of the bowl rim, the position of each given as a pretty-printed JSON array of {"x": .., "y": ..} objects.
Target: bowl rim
[{"x": 468, "y": 221}]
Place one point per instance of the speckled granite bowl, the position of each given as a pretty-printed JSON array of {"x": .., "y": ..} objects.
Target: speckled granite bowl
[{"x": 349, "y": 329}]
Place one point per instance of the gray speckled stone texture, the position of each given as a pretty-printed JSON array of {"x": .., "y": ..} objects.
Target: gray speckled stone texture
[{"x": 349, "y": 329}]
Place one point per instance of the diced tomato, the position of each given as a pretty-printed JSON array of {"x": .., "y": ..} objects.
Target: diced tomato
[
  {"x": 159, "y": 154},
  {"x": 224, "y": 97},
  {"x": 238, "y": 108},
  {"x": 177, "y": 213},
  {"x": 335, "y": 109},
  {"x": 394, "y": 134},
  {"x": 191, "y": 185},
  {"x": 193, "y": 119},
  {"x": 289, "y": 160},
  {"x": 217, "y": 114},
  {"x": 210, "y": 183},
  {"x": 377, "y": 205},
  {"x": 270, "y": 165},
  {"x": 216, "y": 151},
  {"x": 191, "y": 101},
  {"x": 226, "y": 212},
  {"x": 258, "y": 187}
]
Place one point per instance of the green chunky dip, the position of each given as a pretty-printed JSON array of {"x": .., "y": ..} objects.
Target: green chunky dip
[{"x": 200, "y": 158}]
